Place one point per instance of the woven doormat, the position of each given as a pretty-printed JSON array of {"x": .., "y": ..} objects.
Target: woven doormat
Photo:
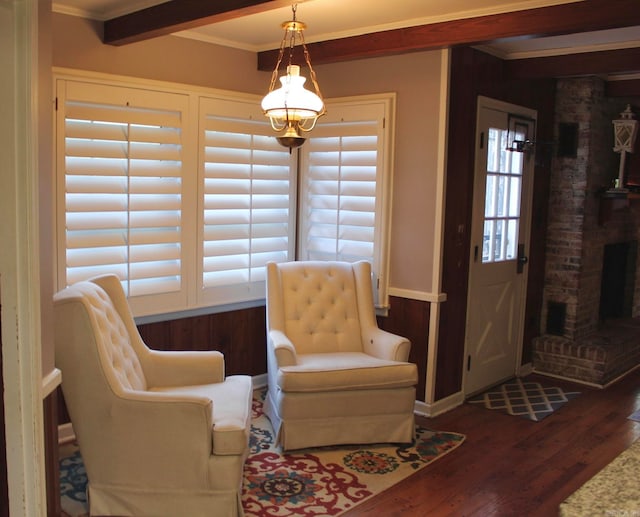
[{"x": 525, "y": 399}]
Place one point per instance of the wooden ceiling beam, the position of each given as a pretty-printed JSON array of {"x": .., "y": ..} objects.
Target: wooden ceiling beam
[
  {"x": 582, "y": 16},
  {"x": 178, "y": 15},
  {"x": 621, "y": 61},
  {"x": 628, "y": 88}
]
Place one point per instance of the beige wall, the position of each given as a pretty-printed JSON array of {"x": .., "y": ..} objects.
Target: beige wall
[
  {"x": 77, "y": 44},
  {"x": 416, "y": 80},
  {"x": 414, "y": 77}
]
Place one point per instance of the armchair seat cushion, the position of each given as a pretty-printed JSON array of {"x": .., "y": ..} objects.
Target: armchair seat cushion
[
  {"x": 339, "y": 371},
  {"x": 231, "y": 411}
]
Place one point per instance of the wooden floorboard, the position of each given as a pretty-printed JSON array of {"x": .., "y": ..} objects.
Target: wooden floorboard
[{"x": 510, "y": 466}]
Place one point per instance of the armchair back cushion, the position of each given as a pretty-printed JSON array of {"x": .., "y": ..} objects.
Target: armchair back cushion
[
  {"x": 321, "y": 307},
  {"x": 113, "y": 342}
]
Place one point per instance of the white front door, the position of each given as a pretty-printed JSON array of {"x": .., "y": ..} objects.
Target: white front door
[{"x": 503, "y": 185}]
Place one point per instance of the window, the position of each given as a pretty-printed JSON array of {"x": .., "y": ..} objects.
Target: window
[
  {"x": 502, "y": 199},
  {"x": 122, "y": 188},
  {"x": 186, "y": 195},
  {"x": 247, "y": 192},
  {"x": 344, "y": 184}
]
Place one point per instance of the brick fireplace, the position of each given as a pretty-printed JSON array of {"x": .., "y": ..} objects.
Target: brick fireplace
[{"x": 582, "y": 340}]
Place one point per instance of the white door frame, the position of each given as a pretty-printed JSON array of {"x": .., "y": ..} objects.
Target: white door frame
[
  {"x": 19, "y": 259},
  {"x": 490, "y": 103}
]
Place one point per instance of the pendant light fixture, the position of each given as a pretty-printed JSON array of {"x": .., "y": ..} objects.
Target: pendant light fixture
[{"x": 292, "y": 109}]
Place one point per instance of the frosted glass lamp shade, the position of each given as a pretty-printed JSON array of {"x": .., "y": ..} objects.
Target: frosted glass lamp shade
[{"x": 292, "y": 101}]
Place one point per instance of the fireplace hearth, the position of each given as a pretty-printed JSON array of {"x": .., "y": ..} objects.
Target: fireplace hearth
[{"x": 597, "y": 360}]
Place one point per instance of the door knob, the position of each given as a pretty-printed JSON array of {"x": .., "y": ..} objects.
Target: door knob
[{"x": 522, "y": 259}]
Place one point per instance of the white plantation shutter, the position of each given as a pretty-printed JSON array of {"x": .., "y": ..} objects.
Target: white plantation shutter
[
  {"x": 186, "y": 195},
  {"x": 123, "y": 186},
  {"x": 341, "y": 196},
  {"x": 247, "y": 195},
  {"x": 344, "y": 175}
]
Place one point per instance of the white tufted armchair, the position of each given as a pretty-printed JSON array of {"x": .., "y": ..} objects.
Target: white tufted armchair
[
  {"x": 160, "y": 433},
  {"x": 334, "y": 376}
]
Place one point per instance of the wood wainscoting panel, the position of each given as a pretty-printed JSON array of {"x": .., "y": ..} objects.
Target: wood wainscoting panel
[
  {"x": 410, "y": 318},
  {"x": 240, "y": 335}
]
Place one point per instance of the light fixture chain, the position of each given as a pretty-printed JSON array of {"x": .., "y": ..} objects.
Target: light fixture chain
[
  {"x": 274, "y": 74},
  {"x": 312, "y": 72},
  {"x": 293, "y": 109},
  {"x": 292, "y": 38}
]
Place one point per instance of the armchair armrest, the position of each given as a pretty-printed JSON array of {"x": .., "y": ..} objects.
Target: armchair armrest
[
  {"x": 283, "y": 349},
  {"x": 164, "y": 368},
  {"x": 385, "y": 345},
  {"x": 162, "y": 438}
]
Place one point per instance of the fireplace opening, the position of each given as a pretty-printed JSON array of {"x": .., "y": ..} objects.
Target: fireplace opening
[{"x": 618, "y": 280}]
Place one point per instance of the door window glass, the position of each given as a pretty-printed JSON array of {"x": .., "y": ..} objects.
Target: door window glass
[{"x": 502, "y": 199}]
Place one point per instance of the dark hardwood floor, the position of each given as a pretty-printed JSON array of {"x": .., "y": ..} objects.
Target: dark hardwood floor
[{"x": 510, "y": 466}]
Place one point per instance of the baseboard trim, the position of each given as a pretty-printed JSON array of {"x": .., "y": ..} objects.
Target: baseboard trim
[
  {"x": 260, "y": 381},
  {"x": 421, "y": 408},
  {"x": 439, "y": 406},
  {"x": 524, "y": 370}
]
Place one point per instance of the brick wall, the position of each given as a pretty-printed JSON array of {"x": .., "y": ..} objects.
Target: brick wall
[{"x": 576, "y": 239}]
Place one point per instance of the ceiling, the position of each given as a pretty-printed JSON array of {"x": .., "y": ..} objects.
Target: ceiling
[{"x": 335, "y": 19}]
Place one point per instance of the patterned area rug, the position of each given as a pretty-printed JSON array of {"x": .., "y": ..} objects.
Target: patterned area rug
[
  {"x": 73, "y": 481},
  {"x": 329, "y": 480},
  {"x": 321, "y": 481},
  {"x": 526, "y": 399},
  {"x": 612, "y": 491}
]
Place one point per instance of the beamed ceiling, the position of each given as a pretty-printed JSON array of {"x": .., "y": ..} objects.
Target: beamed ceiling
[{"x": 573, "y": 18}]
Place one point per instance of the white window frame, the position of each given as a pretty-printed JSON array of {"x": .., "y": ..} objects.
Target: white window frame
[
  {"x": 193, "y": 297},
  {"x": 371, "y": 115}
]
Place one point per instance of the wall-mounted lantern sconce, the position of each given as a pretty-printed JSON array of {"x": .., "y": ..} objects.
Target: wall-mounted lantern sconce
[{"x": 625, "y": 130}]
